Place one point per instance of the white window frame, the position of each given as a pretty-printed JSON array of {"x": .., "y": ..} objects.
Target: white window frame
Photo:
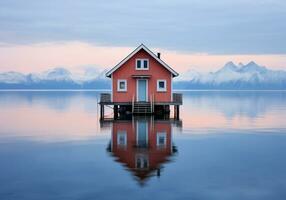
[
  {"x": 160, "y": 134},
  {"x": 124, "y": 134},
  {"x": 142, "y": 64},
  {"x": 142, "y": 158},
  {"x": 118, "y": 85},
  {"x": 162, "y": 89}
]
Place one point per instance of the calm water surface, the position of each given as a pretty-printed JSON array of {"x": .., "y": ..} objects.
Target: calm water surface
[{"x": 227, "y": 145}]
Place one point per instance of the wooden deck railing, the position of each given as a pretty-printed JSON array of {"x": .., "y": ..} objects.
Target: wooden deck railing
[
  {"x": 152, "y": 102},
  {"x": 133, "y": 102},
  {"x": 105, "y": 97},
  {"x": 178, "y": 98}
]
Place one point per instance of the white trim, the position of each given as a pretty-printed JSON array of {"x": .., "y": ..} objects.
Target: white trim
[
  {"x": 171, "y": 88},
  {"x": 162, "y": 89},
  {"x": 164, "y": 134},
  {"x": 147, "y": 131},
  {"x": 142, "y": 46},
  {"x": 112, "y": 88},
  {"x": 142, "y": 63},
  {"x": 137, "y": 93},
  {"x": 118, "y": 85}
]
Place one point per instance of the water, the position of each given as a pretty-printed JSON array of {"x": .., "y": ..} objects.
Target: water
[{"x": 227, "y": 145}]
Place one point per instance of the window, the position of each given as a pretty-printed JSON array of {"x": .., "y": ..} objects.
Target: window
[
  {"x": 142, "y": 161},
  {"x": 161, "y": 86},
  {"x": 161, "y": 139},
  {"x": 142, "y": 64},
  {"x": 122, "y": 85},
  {"x": 121, "y": 138}
]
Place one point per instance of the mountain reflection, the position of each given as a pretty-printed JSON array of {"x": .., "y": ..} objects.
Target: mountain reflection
[{"x": 143, "y": 145}]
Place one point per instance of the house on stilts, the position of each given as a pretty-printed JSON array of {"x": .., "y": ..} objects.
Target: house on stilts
[{"x": 141, "y": 84}]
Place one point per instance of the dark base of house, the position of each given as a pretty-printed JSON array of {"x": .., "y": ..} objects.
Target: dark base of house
[
  {"x": 158, "y": 109},
  {"x": 127, "y": 110},
  {"x": 124, "y": 109}
]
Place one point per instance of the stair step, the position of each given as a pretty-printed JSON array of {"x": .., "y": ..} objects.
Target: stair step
[{"x": 142, "y": 108}]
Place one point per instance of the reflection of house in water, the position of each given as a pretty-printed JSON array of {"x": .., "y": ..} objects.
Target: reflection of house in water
[{"x": 142, "y": 145}]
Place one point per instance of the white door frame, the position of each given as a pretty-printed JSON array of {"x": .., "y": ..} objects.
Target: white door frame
[{"x": 137, "y": 90}]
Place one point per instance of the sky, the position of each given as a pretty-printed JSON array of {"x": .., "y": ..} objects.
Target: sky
[{"x": 190, "y": 34}]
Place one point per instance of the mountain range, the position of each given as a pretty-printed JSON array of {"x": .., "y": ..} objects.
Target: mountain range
[
  {"x": 234, "y": 77},
  {"x": 230, "y": 76},
  {"x": 57, "y": 78}
]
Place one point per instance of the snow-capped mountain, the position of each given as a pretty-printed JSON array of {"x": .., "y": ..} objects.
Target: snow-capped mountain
[
  {"x": 56, "y": 74},
  {"x": 231, "y": 76},
  {"x": 94, "y": 74},
  {"x": 12, "y": 78},
  {"x": 190, "y": 75},
  {"x": 56, "y": 78}
]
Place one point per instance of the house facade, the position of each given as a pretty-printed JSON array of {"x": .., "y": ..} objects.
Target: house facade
[{"x": 142, "y": 77}]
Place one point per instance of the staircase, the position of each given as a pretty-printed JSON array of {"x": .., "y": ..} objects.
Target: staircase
[{"x": 142, "y": 108}]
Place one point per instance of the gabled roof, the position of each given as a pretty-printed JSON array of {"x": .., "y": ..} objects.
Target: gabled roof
[{"x": 142, "y": 46}]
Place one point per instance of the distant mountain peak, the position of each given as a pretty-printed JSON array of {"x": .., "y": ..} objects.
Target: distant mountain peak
[
  {"x": 229, "y": 66},
  {"x": 229, "y": 63},
  {"x": 252, "y": 63},
  {"x": 190, "y": 75},
  {"x": 59, "y": 71},
  {"x": 57, "y": 74},
  {"x": 253, "y": 67}
]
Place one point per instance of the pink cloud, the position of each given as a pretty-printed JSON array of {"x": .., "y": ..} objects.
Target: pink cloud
[{"x": 39, "y": 57}]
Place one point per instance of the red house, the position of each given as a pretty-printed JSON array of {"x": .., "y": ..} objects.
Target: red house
[
  {"x": 142, "y": 146},
  {"x": 142, "y": 83}
]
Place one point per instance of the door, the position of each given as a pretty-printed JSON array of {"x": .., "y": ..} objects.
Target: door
[
  {"x": 142, "y": 134},
  {"x": 141, "y": 90}
]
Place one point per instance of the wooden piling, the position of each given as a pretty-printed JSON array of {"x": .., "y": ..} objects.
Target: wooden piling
[
  {"x": 115, "y": 110},
  {"x": 177, "y": 112},
  {"x": 101, "y": 111}
]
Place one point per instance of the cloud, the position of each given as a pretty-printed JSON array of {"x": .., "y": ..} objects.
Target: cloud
[
  {"x": 215, "y": 27},
  {"x": 75, "y": 55}
]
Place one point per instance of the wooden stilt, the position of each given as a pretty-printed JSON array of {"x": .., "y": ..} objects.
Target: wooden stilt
[
  {"x": 101, "y": 111},
  {"x": 177, "y": 112},
  {"x": 115, "y": 109}
]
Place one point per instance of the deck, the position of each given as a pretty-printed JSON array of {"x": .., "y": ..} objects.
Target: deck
[
  {"x": 105, "y": 99},
  {"x": 134, "y": 107}
]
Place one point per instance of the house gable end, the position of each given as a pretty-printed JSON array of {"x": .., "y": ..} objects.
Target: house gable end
[{"x": 163, "y": 64}]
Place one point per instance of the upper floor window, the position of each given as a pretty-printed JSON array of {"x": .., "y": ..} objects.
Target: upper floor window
[
  {"x": 122, "y": 138},
  {"x": 161, "y": 86},
  {"x": 142, "y": 64},
  {"x": 122, "y": 85},
  {"x": 142, "y": 161}
]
